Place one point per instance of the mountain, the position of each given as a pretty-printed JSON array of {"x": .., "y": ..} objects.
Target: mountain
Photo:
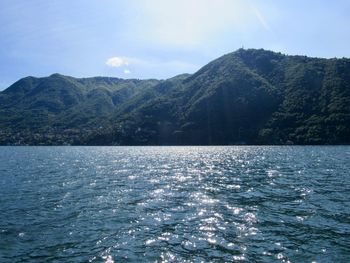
[
  {"x": 60, "y": 109},
  {"x": 245, "y": 97}
]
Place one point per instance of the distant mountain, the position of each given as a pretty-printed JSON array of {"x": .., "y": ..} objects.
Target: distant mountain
[
  {"x": 60, "y": 109},
  {"x": 245, "y": 97}
]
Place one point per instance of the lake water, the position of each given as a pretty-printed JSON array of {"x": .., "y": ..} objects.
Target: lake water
[{"x": 175, "y": 204}]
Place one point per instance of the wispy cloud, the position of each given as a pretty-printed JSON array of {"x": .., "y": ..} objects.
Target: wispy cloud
[
  {"x": 126, "y": 71},
  {"x": 259, "y": 15},
  {"x": 117, "y": 62}
]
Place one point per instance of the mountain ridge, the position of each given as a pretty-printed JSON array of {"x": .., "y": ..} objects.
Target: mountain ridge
[{"x": 249, "y": 96}]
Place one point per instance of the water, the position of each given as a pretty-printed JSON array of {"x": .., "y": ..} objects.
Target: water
[{"x": 174, "y": 204}]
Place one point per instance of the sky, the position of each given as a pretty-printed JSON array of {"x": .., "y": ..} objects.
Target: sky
[{"x": 159, "y": 38}]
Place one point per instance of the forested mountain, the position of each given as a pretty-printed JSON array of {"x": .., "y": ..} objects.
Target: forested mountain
[
  {"x": 60, "y": 109},
  {"x": 245, "y": 97}
]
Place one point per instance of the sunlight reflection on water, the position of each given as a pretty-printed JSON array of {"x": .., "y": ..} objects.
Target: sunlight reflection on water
[{"x": 175, "y": 204}]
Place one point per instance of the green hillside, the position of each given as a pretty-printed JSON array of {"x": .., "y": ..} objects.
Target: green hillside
[{"x": 245, "y": 97}]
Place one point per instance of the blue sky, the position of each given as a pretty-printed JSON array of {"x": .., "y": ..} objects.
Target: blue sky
[{"x": 159, "y": 38}]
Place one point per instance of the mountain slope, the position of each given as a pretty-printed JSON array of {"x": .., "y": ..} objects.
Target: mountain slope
[
  {"x": 245, "y": 97},
  {"x": 60, "y": 109}
]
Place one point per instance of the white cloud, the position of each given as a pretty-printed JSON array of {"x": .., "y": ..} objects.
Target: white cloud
[
  {"x": 146, "y": 67},
  {"x": 116, "y": 62}
]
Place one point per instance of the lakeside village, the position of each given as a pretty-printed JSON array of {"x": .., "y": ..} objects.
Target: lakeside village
[{"x": 51, "y": 136}]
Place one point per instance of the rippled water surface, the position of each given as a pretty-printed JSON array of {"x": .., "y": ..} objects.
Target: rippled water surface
[{"x": 174, "y": 204}]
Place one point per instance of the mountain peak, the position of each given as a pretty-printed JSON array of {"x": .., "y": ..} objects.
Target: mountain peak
[{"x": 252, "y": 96}]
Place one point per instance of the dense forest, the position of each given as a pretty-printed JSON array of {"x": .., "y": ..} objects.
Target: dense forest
[{"x": 245, "y": 97}]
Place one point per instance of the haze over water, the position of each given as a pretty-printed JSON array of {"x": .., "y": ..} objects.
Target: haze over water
[{"x": 174, "y": 204}]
